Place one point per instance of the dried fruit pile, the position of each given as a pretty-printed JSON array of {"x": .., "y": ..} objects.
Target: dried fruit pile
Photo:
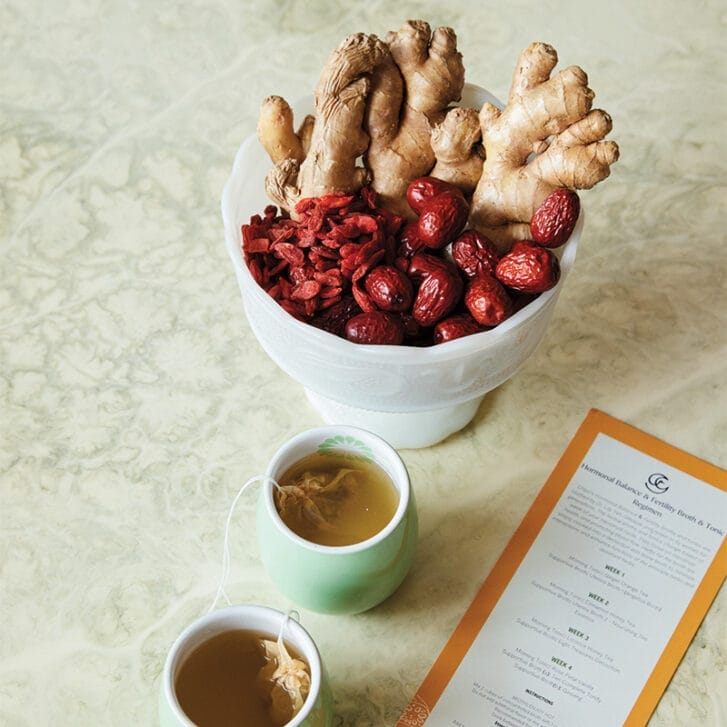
[
  {"x": 406, "y": 219},
  {"x": 360, "y": 271},
  {"x": 311, "y": 263}
]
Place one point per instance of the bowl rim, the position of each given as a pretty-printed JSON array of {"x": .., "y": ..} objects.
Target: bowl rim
[{"x": 422, "y": 355}]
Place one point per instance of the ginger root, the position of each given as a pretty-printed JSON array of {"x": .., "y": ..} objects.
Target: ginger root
[
  {"x": 389, "y": 103},
  {"x": 551, "y": 119},
  {"x": 373, "y": 98},
  {"x": 337, "y": 138},
  {"x": 275, "y": 131},
  {"x": 408, "y": 97},
  {"x": 457, "y": 146}
]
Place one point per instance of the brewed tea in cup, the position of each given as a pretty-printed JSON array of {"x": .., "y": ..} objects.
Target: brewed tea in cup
[
  {"x": 250, "y": 666},
  {"x": 336, "y": 520},
  {"x": 336, "y": 498}
]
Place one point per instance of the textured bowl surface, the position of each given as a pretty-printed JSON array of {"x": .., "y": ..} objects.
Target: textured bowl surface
[{"x": 380, "y": 378}]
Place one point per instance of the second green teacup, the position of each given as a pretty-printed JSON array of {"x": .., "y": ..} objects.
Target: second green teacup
[{"x": 338, "y": 579}]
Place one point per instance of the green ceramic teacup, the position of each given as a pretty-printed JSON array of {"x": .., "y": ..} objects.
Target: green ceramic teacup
[
  {"x": 317, "y": 711},
  {"x": 337, "y": 579}
]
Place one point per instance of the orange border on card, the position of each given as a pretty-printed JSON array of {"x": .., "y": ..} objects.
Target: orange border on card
[{"x": 596, "y": 422}]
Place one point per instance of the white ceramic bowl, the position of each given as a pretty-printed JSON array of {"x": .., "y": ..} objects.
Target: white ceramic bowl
[{"x": 411, "y": 397}]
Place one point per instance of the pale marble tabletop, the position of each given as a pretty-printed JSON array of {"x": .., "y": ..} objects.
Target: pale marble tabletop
[{"x": 136, "y": 400}]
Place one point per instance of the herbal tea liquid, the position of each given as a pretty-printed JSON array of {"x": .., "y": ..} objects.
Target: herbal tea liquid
[
  {"x": 217, "y": 685},
  {"x": 332, "y": 499}
]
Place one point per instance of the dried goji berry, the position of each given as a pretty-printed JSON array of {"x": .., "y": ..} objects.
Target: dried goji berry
[
  {"x": 306, "y": 290},
  {"x": 363, "y": 299},
  {"x": 289, "y": 252}
]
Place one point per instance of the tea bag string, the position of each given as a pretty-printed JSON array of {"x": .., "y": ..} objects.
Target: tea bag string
[
  {"x": 226, "y": 540},
  {"x": 289, "y": 615}
]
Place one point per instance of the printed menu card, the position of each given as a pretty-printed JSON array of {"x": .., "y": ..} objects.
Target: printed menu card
[{"x": 594, "y": 601}]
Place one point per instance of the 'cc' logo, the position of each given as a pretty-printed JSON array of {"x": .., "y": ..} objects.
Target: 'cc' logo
[{"x": 655, "y": 483}]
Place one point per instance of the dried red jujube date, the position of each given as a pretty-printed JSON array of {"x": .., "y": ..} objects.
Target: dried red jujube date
[
  {"x": 454, "y": 327},
  {"x": 409, "y": 242},
  {"x": 389, "y": 288},
  {"x": 552, "y": 223},
  {"x": 375, "y": 327},
  {"x": 421, "y": 190},
  {"x": 442, "y": 218},
  {"x": 528, "y": 268},
  {"x": 426, "y": 263},
  {"x": 474, "y": 254},
  {"x": 440, "y": 288},
  {"x": 334, "y": 318},
  {"x": 487, "y": 301},
  {"x": 412, "y": 330}
]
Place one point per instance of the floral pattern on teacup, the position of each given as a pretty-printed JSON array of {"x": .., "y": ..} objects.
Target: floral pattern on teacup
[{"x": 346, "y": 446}]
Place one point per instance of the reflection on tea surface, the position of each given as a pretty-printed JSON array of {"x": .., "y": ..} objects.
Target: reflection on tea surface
[
  {"x": 333, "y": 499},
  {"x": 243, "y": 679}
]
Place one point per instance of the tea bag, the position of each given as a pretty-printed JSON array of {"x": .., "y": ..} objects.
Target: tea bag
[
  {"x": 283, "y": 680},
  {"x": 313, "y": 496}
]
